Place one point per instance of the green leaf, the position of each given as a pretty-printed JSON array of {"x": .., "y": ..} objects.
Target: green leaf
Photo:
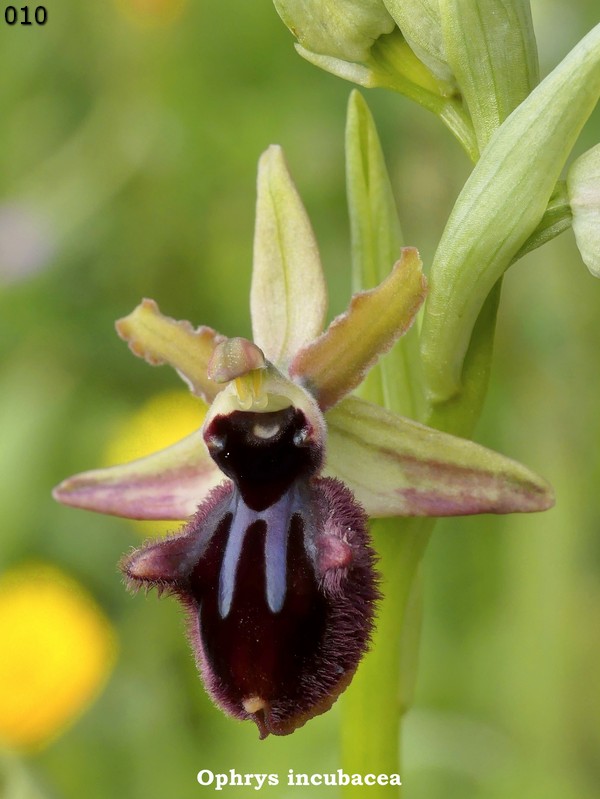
[
  {"x": 376, "y": 237},
  {"x": 375, "y": 232},
  {"x": 460, "y": 414},
  {"x": 557, "y": 218},
  {"x": 499, "y": 208}
]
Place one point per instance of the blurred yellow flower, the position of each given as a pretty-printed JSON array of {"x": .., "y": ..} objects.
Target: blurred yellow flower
[
  {"x": 58, "y": 649},
  {"x": 163, "y": 420},
  {"x": 152, "y": 13}
]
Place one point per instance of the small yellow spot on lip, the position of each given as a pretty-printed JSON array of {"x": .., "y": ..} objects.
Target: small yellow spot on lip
[
  {"x": 253, "y": 704},
  {"x": 250, "y": 391},
  {"x": 243, "y": 392}
]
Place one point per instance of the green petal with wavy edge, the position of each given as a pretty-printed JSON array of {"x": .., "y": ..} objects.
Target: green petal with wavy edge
[
  {"x": 169, "y": 484},
  {"x": 336, "y": 362},
  {"x": 500, "y": 206},
  {"x": 159, "y": 339},
  {"x": 288, "y": 298},
  {"x": 397, "y": 467}
]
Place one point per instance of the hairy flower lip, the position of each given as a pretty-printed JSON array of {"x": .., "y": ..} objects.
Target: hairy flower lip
[{"x": 278, "y": 624}]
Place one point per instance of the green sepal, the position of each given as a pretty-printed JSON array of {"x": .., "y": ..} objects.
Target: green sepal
[
  {"x": 391, "y": 64},
  {"x": 397, "y": 467},
  {"x": 288, "y": 296}
]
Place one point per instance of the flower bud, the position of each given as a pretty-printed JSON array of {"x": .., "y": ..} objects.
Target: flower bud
[
  {"x": 583, "y": 186},
  {"x": 344, "y": 29},
  {"x": 357, "y": 40},
  {"x": 500, "y": 206}
]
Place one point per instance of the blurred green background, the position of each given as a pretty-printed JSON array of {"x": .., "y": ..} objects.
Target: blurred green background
[{"x": 130, "y": 132}]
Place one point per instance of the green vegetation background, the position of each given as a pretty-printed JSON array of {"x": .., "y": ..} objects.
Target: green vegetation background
[{"x": 139, "y": 145}]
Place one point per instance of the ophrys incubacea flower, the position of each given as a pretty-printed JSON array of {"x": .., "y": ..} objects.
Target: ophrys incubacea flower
[{"x": 274, "y": 565}]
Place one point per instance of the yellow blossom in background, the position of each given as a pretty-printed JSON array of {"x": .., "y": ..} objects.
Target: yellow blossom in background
[
  {"x": 152, "y": 13},
  {"x": 163, "y": 420},
  {"x": 57, "y": 651}
]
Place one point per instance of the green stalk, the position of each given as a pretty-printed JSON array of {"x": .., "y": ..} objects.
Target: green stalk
[
  {"x": 374, "y": 705},
  {"x": 396, "y": 67},
  {"x": 557, "y": 218},
  {"x": 381, "y": 692}
]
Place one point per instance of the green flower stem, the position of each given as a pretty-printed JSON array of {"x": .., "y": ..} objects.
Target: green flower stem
[
  {"x": 459, "y": 124},
  {"x": 449, "y": 110},
  {"x": 556, "y": 219},
  {"x": 459, "y": 415},
  {"x": 396, "y": 67},
  {"x": 381, "y": 692}
]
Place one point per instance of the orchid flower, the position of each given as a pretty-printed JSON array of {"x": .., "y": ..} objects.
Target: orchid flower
[{"x": 274, "y": 565}]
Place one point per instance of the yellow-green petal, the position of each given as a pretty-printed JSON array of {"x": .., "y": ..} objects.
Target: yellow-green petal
[
  {"x": 159, "y": 340},
  {"x": 336, "y": 362},
  {"x": 398, "y": 467}
]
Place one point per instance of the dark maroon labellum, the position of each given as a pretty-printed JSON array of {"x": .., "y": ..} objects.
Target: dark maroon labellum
[
  {"x": 276, "y": 573},
  {"x": 263, "y": 453}
]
